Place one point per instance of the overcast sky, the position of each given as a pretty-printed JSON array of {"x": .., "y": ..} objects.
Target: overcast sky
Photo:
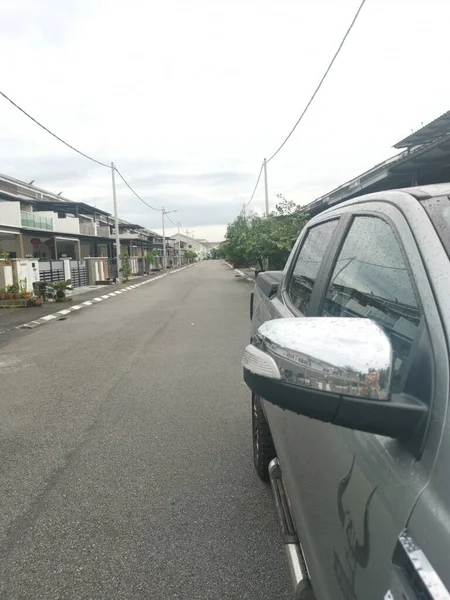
[{"x": 187, "y": 97}]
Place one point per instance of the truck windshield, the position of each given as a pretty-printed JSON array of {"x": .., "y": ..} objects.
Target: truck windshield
[{"x": 438, "y": 210}]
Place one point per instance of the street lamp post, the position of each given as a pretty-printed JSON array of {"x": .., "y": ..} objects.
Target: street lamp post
[
  {"x": 266, "y": 187},
  {"x": 116, "y": 223},
  {"x": 163, "y": 214}
]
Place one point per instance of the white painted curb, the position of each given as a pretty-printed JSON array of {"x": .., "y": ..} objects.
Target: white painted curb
[
  {"x": 239, "y": 272},
  {"x": 94, "y": 301}
]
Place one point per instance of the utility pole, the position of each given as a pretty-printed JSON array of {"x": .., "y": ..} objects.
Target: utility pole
[
  {"x": 265, "y": 261},
  {"x": 243, "y": 211},
  {"x": 116, "y": 222},
  {"x": 163, "y": 214},
  {"x": 179, "y": 246},
  {"x": 164, "y": 238},
  {"x": 266, "y": 187}
]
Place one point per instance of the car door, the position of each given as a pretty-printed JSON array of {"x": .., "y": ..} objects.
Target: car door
[
  {"x": 351, "y": 492},
  {"x": 312, "y": 250}
]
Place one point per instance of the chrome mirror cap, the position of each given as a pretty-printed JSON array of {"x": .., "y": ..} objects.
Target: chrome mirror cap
[{"x": 347, "y": 356}]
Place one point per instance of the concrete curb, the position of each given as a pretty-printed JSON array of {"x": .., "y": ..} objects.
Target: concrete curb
[
  {"x": 62, "y": 314},
  {"x": 239, "y": 272}
]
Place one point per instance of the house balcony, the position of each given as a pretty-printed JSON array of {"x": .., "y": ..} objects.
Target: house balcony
[
  {"x": 87, "y": 229},
  {"x": 36, "y": 221},
  {"x": 134, "y": 236},
  {"x": 103, "y": 231}
]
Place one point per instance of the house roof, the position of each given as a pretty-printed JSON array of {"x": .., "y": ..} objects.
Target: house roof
[
  {"x": 39, "y": 197},
  {"x": 429, "y": 133},
  {"x": 421, "y": 165},
  {"x": 187, "y": 237},
  {"x": 70, "y": 207},
  {"x": 12, "y": 196}
]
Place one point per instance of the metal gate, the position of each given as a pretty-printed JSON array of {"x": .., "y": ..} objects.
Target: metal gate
[
  {"x": 51, "y": 271},
  {"x": 79, "y": 273},
  {"x": 112, "y": 268}
]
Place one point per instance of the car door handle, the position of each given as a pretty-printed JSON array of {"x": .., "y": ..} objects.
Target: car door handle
[{"x": 413, "y": 577}]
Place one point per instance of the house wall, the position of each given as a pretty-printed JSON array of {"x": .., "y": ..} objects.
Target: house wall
[
  {"x": 192, "y": 244},
  {"x": 10, "y": 214},
  {"x": 9, "y": 243},
  {"x": 102, "y": 249},
  {"x": 85, "y": 249},
  {"x": 39, "y": 250}
]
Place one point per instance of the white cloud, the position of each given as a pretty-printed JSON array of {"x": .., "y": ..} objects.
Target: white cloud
[{"x": 188, "y": 97}]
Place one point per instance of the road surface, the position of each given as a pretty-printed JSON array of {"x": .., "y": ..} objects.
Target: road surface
[{"x": 126, "y": 464}]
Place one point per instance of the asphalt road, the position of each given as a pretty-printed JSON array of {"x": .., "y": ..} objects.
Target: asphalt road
[{"x": 125, "y": 442}]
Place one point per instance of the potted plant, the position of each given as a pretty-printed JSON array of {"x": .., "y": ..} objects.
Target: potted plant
[
  {"x": 23, "y": 285},
  {"x": 2, "y": 294},
  {"x": 40, "y": 289},
  {"x": 10, "y": 292},
  {"x": 61, "y": 287},
  {"x": 13, "y": 292}
]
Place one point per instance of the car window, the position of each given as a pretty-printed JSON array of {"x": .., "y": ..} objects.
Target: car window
[
  {"x": 371, "y": 279},
  {"x": 308, "y": 263}
]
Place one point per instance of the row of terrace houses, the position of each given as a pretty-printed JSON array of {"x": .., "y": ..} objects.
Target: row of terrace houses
[{"x": 40, "y": 225}]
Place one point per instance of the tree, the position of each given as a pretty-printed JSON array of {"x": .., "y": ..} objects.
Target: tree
[
  {"x": 190, "y": 255},
  {"x": 237, "y": 242},
  {"x": 151, "y": 256},
  {"x": 219, "y": 252},
  {"x": 256, "y": 239}
]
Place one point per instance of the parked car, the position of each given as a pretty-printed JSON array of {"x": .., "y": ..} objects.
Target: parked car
[{"x": 349, "y": 371}]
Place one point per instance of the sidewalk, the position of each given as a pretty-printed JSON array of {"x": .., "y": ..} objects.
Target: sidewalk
[
  {"x": 243, "y": 274},
  {"x": 249, "y": 273},
  {"x": 14, "y": 317}
]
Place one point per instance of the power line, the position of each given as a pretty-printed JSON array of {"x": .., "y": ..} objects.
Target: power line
[
  {"x": 76, "y": 150},
  {"x": 176, "y": 224},
  {"x": 135, "y": 193},
  {"x": 53, "y": 134},
  {"x": 256, "y": 184},
  {"x": 324, "y": 76}
]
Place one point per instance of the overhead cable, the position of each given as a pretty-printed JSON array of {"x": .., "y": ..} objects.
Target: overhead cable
[
  {"x": 134, "y": 192},
  {"x": 176, "y": 224},
  {"x": 256, "y": 184},
  {"x": 324, "y": 76},
  {"x": 99, "y": 162}
]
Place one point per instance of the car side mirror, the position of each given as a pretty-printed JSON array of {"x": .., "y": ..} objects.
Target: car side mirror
[{"x": 337, "y": 370}]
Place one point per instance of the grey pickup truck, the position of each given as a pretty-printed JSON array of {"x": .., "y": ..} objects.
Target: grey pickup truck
[{"x": 348, "y": 367}]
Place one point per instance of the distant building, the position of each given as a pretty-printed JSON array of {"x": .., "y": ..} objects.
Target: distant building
[{"x": 185, "y": 242}]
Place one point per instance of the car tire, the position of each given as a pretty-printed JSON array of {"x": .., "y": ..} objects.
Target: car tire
[
  {"x": 304, "y": 591},
  {"x": 263, "y": 446}
]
